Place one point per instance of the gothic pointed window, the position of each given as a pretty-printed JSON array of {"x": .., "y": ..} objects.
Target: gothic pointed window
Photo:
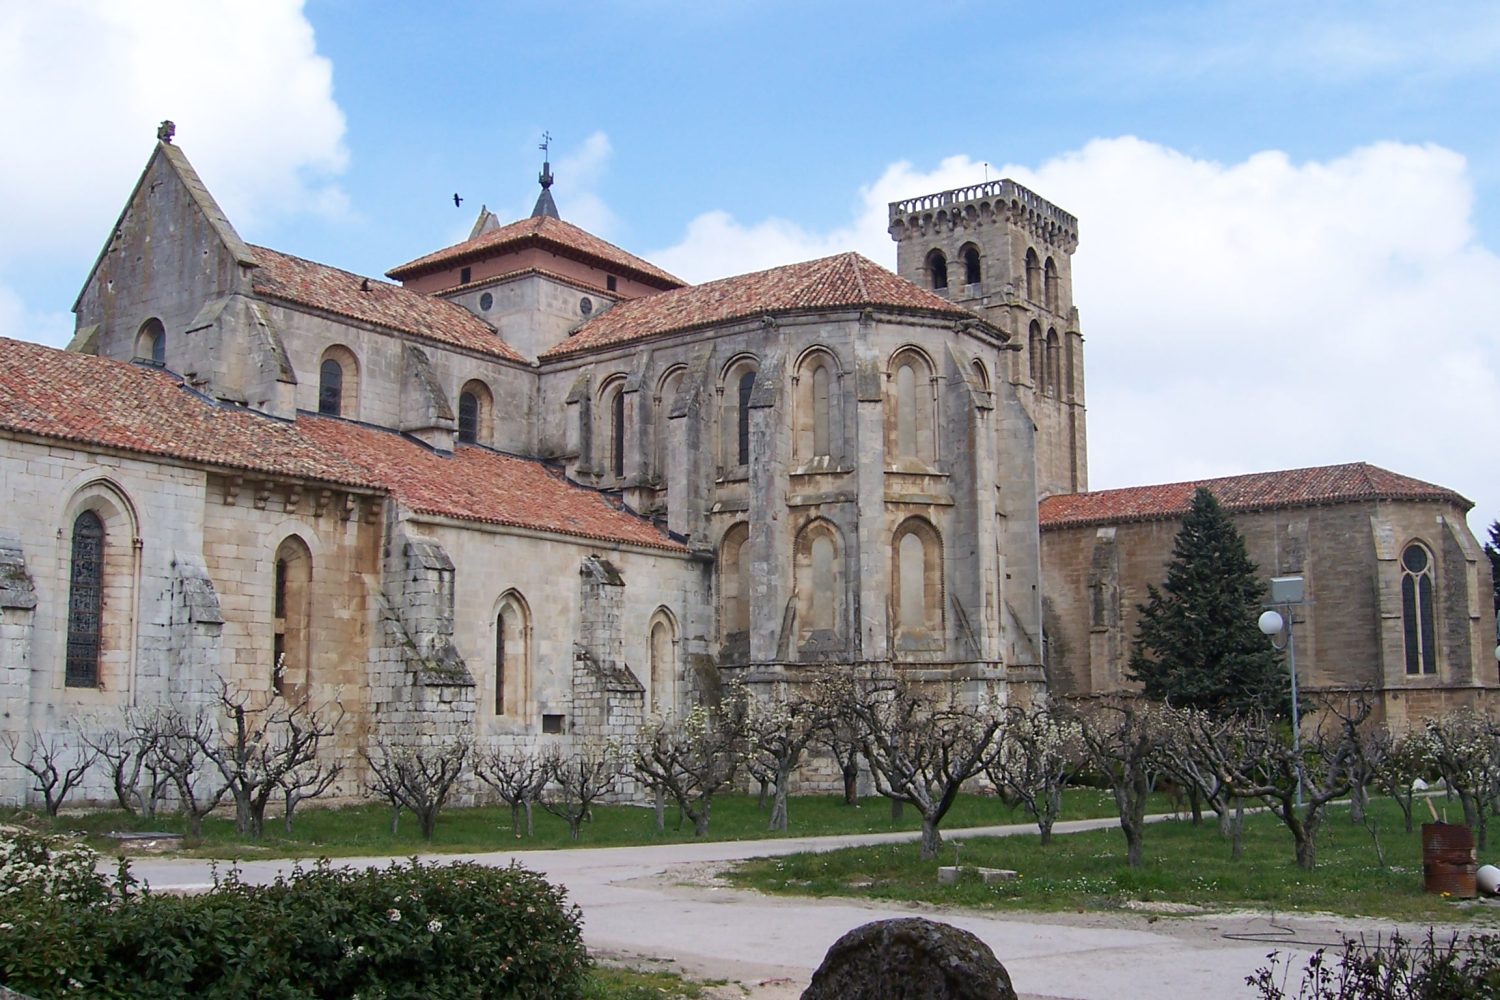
[
  {"x": 663, "y": 649},
  {"x": 291, "y": 617},
  {"x": 85, "y": 601},
  {"x": 1050, "y": 285},
  {"x": 1418, "y": 621},
  {"x": 1036, "y": 353},
  {"x": 1033, "y": 276},
  {"x": 617, "y": 433},
  {"x": 511, "y": 655},
  {"x": 1054, "y": 364},
  {"x": 747, "y": 384}
]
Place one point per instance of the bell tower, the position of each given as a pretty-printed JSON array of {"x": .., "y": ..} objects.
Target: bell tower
[{"x": 1007, "y": 254}]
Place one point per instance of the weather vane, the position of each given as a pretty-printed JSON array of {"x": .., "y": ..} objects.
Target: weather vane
[{"x": 545, "y": 143}]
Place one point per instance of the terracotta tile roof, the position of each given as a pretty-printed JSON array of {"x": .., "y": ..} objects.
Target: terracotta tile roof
[
  {"x": 114, "y": 404},
  {"x": 479, "y": 485},
  {"x": 305, "y": 282},
  {"x": 548, "y": 233},
  {"x": 842, "y": 281},
  {"x": 1325, "y": 484}
]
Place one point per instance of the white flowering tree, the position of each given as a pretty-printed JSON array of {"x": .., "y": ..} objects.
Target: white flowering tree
[
  {"x": 691, "y": 759},
  {"x": 1402, "y": 760},
  {"x": 517, "y": 774},
  {"x": 416, "y": 776},
  {"x": 575, "y": 781},
  {"x": 1121, "y": 738},
  {"x": 778, "y": 730},
  {"x": 1036, "y": 752},
  {"x": 1462, "y": 747}
]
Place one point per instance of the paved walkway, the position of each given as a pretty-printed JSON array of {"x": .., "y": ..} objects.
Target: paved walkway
[{"x": 655, "y": 902}]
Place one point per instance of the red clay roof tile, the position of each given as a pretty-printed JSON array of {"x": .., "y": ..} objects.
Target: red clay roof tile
[
  {"x": 305, "y": 282},
  {"x": 1257, "y": 491},
  {"x": 544, "y": 231},
  {"x": 846, "y": 280}
]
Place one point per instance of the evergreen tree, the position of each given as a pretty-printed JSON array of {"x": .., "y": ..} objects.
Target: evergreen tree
[
  {"x": 1197, "y": 643},
  {"x": 1492, "y": 549}
]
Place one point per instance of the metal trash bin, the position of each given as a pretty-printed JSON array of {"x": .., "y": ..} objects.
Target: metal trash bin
[{"x": 1448, "y": 860}]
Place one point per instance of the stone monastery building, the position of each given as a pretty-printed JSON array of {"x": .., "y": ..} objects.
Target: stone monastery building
[{"x": 540, "y": 488}]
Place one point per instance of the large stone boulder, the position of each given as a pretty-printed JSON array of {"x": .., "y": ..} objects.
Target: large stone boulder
[{"x": 909, "y": 959}]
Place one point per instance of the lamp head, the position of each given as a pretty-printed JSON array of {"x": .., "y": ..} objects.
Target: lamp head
[{"x": 1270, "y": 622}]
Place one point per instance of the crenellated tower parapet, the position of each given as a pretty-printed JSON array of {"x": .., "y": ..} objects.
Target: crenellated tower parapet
[{"x": 1002, "y": 201}]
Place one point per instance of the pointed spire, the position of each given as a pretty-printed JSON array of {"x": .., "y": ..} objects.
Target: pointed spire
[
  {"x": 487, "y": 221},
  {"x": 545, "y": 206}
]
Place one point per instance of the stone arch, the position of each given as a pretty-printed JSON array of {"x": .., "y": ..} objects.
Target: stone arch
[
  {"x": 817, "y": 413},
  {"x": 291, "y": 618},
  {"x": 980, "y": 375},
  {"x": 819, "y": 581},
  {"x": 911, "y": 407},
  {"x": 510, "y": 681},
  {"x": 969, "y": 254},
  {"x": 613, "y": 429},
  {"x": 1033, "y": 275},
  {"x": 917, "y": 582},
  {"x": 1419, "y": 608},
  {"x": 1050, "y": 286},
  {"x": 338, "y": 383},
  {"x": 667, "y": 388},
  {"x": 734, "y": 583},
  {"x": 100, "y": 527},
  {"x": 661, "y": 679},
  {"x": 476, "y": 413},
  {"x": 151, "y": 342},
  {"x": 736, "y": 384},
  {"x": 937, "y": 269}
]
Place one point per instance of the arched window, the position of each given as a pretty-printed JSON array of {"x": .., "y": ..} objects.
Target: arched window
[
  {"x": 610, "y": 424},
  {"x": 291, "y": 615},
  {"x": 151, "y": 342},
  {"x": 662, "y": 684},
  {"x": 476, "y": 409},
  {"x": 734, "y": 582},
  {"x": 816, "y": 416},
  {"x": 970, "y": 254},
  {"x": 1049, "y": 276},
  {"x": 910, "y": 408},
  {"x": 980, "y": 374},
  {"x": 1054, "y": 364},
  {"x": 1418, "y": 620},
  {"x": 1036, "y": 350},
  {"x": 331, "y": 388},
  {"x": 85, "y": 601},
  {"x": 1033, "y": 276},
  {"x": 734, "y": 414},
  {"x": 937, "y": 269},
  {"x": 512, "y": 655},
  {"x": 917, "y": 571},
  {"x": 617, "y": 433},
  {"x": 820, "y": 411},
  {"x": 819, "y": 581},
  {"x": 666, "y": 395}
]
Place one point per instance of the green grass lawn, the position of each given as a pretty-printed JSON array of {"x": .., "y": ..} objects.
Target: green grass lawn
[
  {"x": 1183, "y": 864},
  {"x": 366, "y": 830}
]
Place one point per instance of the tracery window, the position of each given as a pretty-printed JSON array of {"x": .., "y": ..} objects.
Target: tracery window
[
  {"x": 1418, "y": 620},
  {"x": 85, "y": 601}
]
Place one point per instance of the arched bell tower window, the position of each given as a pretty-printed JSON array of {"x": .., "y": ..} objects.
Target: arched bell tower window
[
  {"x": 151, "y": 342},
  {"x": 970, "y": 255},
  {"x": 937, "y": 269},
  {"x": 85, "y": 601},
  {"x": 1049, "y": 280},
  {"x": 1036, "y": 354},
  {"x": 1033, "y": 276},
  {"x": 1054, "y": 364},
  {"x": 1418, "y": 620}
]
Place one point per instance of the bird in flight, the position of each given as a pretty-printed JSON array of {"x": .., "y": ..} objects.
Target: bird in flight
[{"x": 457, "y": 201}]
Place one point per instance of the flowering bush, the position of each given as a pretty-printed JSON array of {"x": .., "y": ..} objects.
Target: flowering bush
[{"x": 406, "y": 931}]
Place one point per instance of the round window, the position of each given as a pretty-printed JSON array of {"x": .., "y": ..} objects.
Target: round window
[
  {"x": 585, "y": 305},
  {"x": 1414, "y": 559},
  {"x": 485, "y": 301}
]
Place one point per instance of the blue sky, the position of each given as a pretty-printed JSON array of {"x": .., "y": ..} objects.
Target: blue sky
[{"x": 1290, "y": 212}]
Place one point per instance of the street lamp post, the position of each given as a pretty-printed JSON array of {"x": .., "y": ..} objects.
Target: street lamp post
[{"x": 1286, "y": 594}]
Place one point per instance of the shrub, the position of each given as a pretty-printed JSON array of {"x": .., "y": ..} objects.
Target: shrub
[
  {"x": 1393, "y": 969},
  {"x": 406, "y": 931}
]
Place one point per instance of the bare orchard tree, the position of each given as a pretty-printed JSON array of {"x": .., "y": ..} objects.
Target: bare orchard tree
[
  {"x": 840, "y": 737},
  {"x": 1403, "y": 760},
  {"x": 131, "y": 752},
  {"x": 691, "y": 759},
  {"x": 1122, "y": 737},
  {"x": 183, "y": 737},
  {"x": 778, "y": 730},
  {"x": 517, "y": 774},
  {"x": 1036, "y": 752},
  {"x": 921, "y": 747},
  {"x": 58, "y": 765},
  {"x": 260, "y": 742},
  {"x": 1462, "y": 747},
  {"x": 1198, "y": 749},
  {"x": 416, "y": 776},
  {"x": 306, "y": 780},
  {"x": 575, "y": 781}
]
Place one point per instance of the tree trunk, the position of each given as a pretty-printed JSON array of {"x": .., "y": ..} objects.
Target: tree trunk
[
  {"x": 765, "y": 789},
  {"x": 1195, "y": 801},
  {"x": 530, "y": 829},
  {"x": 660, "y": 802},
  {"x": 575, "y": 820},
  {"x": 515, "y": 818},
  {"x": 1405, "y": 803},
  {"x": 851, "y": 783},
  {"x": 897, "y": 808},
  {"x": 700, "y": 819},
  {"x": 1237, "y": 831},
  {"x": 1044, "y": 824},
  {"x": 778, "y": 804},
  {"x": 1358, "y": 799},
  {"x": 932, "y": 840},
  {"x": 429, "y": 823}
]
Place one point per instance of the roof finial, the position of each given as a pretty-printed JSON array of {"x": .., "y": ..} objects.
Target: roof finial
[
  {"x": 545, "y": 206},
  {"x": 165, "y": 131}
]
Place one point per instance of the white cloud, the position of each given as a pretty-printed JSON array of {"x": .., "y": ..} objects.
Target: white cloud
[{"x": 1256, "y": 315}]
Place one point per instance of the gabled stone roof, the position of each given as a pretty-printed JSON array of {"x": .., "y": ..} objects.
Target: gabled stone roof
[
  {"x": 1325, "y": 484},
  {"x": 100, "y": 403},
  {"x": 547, "y": 233},
  {"x": 843, "y": 281},
  {"x": 319, "y": 286}
]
